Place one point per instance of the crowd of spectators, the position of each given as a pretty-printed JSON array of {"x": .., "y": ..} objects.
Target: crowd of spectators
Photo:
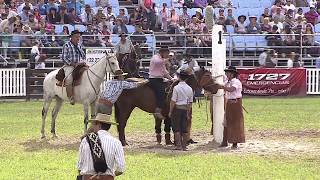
[{"x": 39, "y": 17}]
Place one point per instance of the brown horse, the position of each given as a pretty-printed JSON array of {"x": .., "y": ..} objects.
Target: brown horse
[{"x": 132, "y": 98}]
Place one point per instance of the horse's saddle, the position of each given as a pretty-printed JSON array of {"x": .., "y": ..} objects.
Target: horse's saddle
[
  {"x": 76, "y": 74},
  {"x": 135, "y": 79}
]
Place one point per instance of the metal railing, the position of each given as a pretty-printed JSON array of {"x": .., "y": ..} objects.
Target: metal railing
[
  {"x": 13, "y": 82},
  {"x": 238, "y": 51}
]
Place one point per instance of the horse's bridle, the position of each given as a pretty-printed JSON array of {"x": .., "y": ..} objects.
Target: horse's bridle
[
  {"x": 101, "y": 78},
  {"x": 206, "y": 73}
]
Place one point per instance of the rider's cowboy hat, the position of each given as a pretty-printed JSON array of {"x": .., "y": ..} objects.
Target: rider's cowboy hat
[
  {"x": 75, "y": 32},
  {"x": 245, "y": 17},
  {"x": 185, "y": 72},
  {"x": 26, "y": 28},
  {"x": 123, "y": 34},
  {"x": 231, "y": 69},
  {"x": 103, "y": 118},
  {"x": 119, "y": 73}
]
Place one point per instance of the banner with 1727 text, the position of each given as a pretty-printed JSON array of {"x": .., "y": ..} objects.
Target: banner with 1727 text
[{"x": 273, "y": 82}]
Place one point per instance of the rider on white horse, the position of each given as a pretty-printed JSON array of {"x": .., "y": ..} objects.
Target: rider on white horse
[{"x": 72, "y": 55}]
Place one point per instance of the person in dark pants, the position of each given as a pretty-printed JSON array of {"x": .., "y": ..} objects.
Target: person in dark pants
[
  {"x": 157, "y": 73},
  {"x": 180, "y": 106}
]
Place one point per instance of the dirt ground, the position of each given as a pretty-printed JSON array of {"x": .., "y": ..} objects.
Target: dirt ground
[
  {"x": 261, "y": 143},
  {"x": 257, "y": 142}
]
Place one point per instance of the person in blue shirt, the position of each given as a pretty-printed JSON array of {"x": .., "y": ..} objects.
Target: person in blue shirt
[{"x": 76, "y": 5}]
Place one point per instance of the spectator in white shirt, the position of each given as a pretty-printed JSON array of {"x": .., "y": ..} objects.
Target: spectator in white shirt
[
  {"x": 36, "y": 57},
  {"x": 87, "y": 15},
  {"x": 313, "y": 3},
  {"x": 289, "y": 5},
  {"x": 26, "y": 3}
]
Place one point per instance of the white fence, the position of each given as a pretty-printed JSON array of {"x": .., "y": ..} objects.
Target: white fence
[
  {"x": 313, "y": 83},
  {"x": 12, "y": 82}
]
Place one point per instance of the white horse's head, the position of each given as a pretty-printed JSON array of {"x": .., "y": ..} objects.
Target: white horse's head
[{"x": 112, "y": 63}]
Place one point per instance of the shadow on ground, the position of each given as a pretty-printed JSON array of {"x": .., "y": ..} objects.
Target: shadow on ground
[{"x": 34, "y": 145}]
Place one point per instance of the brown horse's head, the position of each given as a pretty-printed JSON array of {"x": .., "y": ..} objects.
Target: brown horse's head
[{"x": 205, "y": 80}]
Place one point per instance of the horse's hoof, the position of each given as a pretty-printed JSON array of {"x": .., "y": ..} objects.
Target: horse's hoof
[
  {"x": 54, "y": 136},
  {"x": 124, "y": 144},
  {"x": 43, "y": 137}
]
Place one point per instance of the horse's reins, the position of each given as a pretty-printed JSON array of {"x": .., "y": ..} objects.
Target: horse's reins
[{"x": 95, "y": 91}]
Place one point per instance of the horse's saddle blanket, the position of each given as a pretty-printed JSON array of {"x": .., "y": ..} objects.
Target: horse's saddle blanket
[
  {"x": 76, "y": 74},
  {"x": 135, "y": 79}
]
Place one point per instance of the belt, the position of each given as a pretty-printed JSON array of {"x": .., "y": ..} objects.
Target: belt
[
  {"x": 183, "y": 107},
  {"x": 234, "y": 99},
  {"x": 105, "y": 101},
  {"x": 96, "y": 177}
]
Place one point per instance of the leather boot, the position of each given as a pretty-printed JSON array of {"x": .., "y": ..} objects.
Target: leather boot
[
  {"x": 224, "y": 141},
  {"x": 158, "y": 136},
  {"x": 234, "y": 146},
  {"x": 177, "y": 139},
  {"x": 69, "y": 90},
  {"x": 168, "y": 139},
  {"x": 184, "y": 141}
]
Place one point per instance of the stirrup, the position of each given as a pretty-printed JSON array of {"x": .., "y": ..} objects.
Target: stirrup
[{"x": 71, "y": 99}]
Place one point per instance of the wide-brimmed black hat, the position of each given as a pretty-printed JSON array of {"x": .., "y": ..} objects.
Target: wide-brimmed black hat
[
  {"x": 231, "y": 69},
  {"x": 119, "y": 73},
  {"x": 75, "y": 32},
  {"x": 123, "y": 34},
  {"x": 164, "y": 49},
  {"x": 245, "y": 17},
  {"x": 183, "y": 74}
]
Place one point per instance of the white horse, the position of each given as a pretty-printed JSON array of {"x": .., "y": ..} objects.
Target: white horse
[{"x": 86, "y": 93}]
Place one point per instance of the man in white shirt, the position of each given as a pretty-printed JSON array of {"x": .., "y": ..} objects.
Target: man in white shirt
[
  {"x": 123, "y": 49},
  {"x": 87, "y": 15},
  {"x": 263, "y": 57},
  {"x": 108, "y": 160},
  {"x": 189, "y": 65},
  {"x": 180, "y": 105},
  {"x": 26, "y": 3},
  {"x": 36, "y": 57},
  {"x": 289, "y": 5},
  {"x": 313, "y": 3}
]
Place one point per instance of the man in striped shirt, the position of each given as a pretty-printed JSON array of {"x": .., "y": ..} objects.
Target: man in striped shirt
[
  {"x": 72, "y": 55},
  {"x": 112, "y": 91},
  {"x": 109, "y": 146}
]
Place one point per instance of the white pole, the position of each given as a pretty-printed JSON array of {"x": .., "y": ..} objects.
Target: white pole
[{"x": 218, "y": 66}]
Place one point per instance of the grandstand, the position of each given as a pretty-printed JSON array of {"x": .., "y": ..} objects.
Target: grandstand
[{"x": 243, "y": 49}]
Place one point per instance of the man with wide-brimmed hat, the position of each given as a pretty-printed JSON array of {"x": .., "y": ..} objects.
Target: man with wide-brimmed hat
[
  {"x": 189, "y": 64},
  {"x": 112, "y": 91},
  {"x": 234, "y": 120},
  {"x": 123, "y": 50},
  {"x": 253, "y": 27},
  {"x": 180, "y": 107},
  {"x": 101, "y": 156},
  {"x": 72, "y": 55},
  {"x": 240, "y": 27},
  {"x": 157, "y": 73}
]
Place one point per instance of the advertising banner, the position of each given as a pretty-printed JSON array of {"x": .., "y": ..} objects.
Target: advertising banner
[
  {"x": 93, "y": 55},
  {"x": 273, "y": 82}
]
